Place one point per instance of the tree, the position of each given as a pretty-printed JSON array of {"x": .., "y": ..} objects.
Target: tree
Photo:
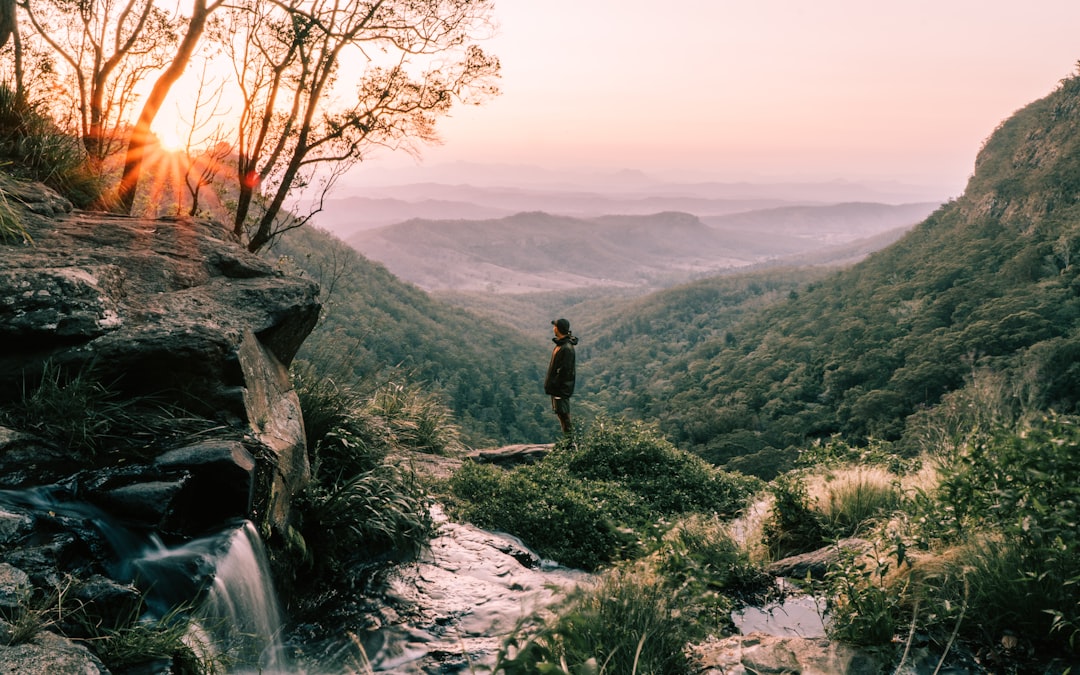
[
  {"x": 289, "y": 57},
  {"x": 141, "y": 136},
  {"x": 109, "y": 47},
  {"x": 8, "y": 23}
]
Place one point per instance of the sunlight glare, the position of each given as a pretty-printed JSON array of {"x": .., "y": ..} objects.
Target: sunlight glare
[{"x": 169, "y": 138}]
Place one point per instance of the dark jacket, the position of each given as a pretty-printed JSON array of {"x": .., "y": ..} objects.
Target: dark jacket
[{"x": 561, "y": 372}]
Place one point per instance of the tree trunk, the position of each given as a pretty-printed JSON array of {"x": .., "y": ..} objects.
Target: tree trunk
[
  {"x": 8, "y": 24},
  {"x": 141, "y": 134}
]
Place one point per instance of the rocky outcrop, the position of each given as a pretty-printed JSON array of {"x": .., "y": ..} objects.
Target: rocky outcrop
[
  {"x": 170, "y": 309},
  {"x": 174, "y": 313}
]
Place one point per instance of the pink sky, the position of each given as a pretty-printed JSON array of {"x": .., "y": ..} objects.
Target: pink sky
[{"x": 762, "y": 88}]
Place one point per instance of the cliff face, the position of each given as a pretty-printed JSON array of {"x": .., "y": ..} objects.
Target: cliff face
[{"x": 173, "y": 310}]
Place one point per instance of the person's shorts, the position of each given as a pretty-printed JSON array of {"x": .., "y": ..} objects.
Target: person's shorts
[{"x": 560, "y": 405}]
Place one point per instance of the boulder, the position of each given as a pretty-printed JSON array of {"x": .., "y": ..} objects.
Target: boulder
[
  {"x": 510, "y": 456},
  {"x": 816, "y": 563},
  {"x": 52, "y": 654},
  {"x": 758, "y": 653}
]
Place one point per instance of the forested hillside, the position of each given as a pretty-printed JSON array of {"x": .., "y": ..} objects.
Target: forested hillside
[
  {"x": 987, "y": 284},
  {"x": 380, "y": 328}
]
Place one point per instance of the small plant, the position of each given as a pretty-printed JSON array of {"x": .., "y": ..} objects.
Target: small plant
[
  {"x": 864, "y": 607},
  {"x": 11, "y": 227},
  {"x": 31, "y": 614},
  {"x": 139, "y": 641},
  {"x": 792, "y": 526},
  {"x": 708, "y": 572},
  {"x": 626, "y": 624},
  {"x": 77, "y": 411}
]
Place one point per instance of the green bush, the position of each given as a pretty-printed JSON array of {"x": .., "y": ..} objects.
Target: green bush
[
  {"x": 601, "y": 501},
  {"x": 667, "y": 480},
  {"x": 864, "y": 606},
  {"x": 708, "y": 573},
  {"x": 1017, "y": 505},
  {"x": 625, "y": 624},
  {"x": 559, "y": 516},
  {"x": 792, "y": 526}
]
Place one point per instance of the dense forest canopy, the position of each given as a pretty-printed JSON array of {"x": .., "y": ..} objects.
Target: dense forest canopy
[{"x": 747, "y": 369}]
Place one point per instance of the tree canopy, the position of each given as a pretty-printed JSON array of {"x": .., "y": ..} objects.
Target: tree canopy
[{"x": 322, "y": 85}]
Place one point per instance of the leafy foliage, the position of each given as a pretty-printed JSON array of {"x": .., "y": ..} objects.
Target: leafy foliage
[
  {"x": 793, "y": 526},
  {"x": 601, "y": 502},
  {"x": 625, "y": 624},
  {"x": 1017, "y": 505},
  {"x": 488, "y": 376}
]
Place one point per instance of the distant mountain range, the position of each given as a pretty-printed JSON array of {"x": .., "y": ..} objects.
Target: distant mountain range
[
  {"x": 585, "y": 196},
  {"x": 538, "y": 251}
]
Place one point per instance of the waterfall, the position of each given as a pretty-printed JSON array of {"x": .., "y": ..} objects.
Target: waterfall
[
  {"x": 236, "y": 621},
  {"x": 241, "y": 607}
]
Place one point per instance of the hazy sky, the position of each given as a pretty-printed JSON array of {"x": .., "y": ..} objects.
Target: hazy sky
[{"x": 851, "y": 89}]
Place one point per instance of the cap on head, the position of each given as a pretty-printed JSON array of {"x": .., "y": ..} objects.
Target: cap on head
[{"x": 563, "y": 325}]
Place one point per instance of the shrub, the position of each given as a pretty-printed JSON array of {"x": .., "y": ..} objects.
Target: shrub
[
  {"x": 864, "y": 606},
  {"x": 357, "y": 506},
  {"x": 1020, "y": 487},
  {"x": 667, "y": 480},
  {"x": 792, "y": 526},
  {"x": 558, "y": 515},
  {"x": 363, "y": 516},
  {"x": 625, "y": 624},
  {"x": 708, "y": 572},
  {"x": 601, "y": 501}
]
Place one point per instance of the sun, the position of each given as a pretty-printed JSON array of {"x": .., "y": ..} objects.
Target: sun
[{"x": 170, "y": 140}]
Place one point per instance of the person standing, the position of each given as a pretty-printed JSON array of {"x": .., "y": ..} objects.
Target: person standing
[{"x": 562, "y": 373}]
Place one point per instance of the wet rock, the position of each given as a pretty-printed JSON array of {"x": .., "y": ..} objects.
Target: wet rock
[
  {"x": 456, "y": 604},
  {"x": 14, "y": 586},
  {"x": 26, "y": 460},
  {"x": 510, "y": 456},
  {"x": 815, "y": 563},
  {"x": 757, "y": 653},
  {"x": 52, "y": 654},
  {"x": 222, "y": 468},
  {"x": 156, "y": 306}
]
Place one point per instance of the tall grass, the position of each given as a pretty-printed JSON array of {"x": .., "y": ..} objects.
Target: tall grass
[
  {"x": 358, "y": 506},
  {"x": 93, "y": 419},
  {"x": 626, "y": 624},
  {"x": 34, "y": 148},
  {"x": 853, "y": 498}
]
